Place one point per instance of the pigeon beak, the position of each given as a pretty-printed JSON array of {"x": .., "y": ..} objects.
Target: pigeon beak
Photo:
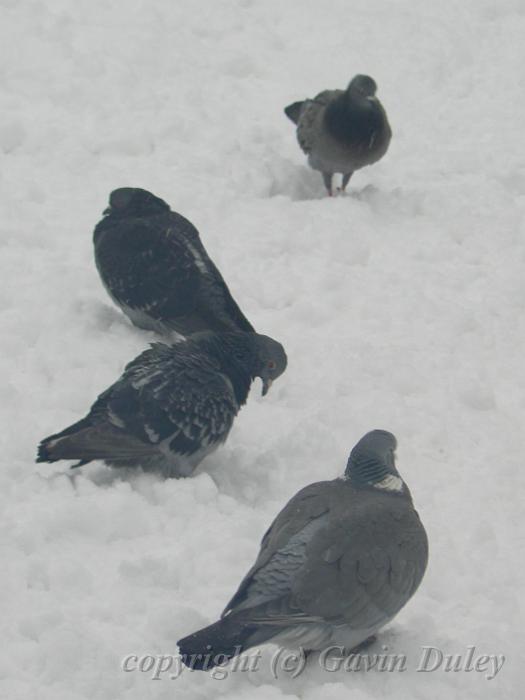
[
  {"x": 107, "y": 211},
  {"x": 267, "y": 383}
]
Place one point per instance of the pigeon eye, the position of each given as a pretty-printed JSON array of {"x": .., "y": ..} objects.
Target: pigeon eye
[{"x": 272, "y": 364}]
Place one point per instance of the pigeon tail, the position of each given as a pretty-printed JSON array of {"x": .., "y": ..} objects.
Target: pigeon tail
[
  {"x": 293, "y": 111},
  {"x": 217, "y": 643},
  {"x": 86, "y": 442},
  {"x": 50, "y": 448}
]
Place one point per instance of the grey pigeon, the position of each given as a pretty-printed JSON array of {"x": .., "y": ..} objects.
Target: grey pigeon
[
  {"x": 337, "y": 564},
  {"x": 342, "y": 130},
  {"x": 154, "y": 266},
  {"x": 173, "y": 405}
]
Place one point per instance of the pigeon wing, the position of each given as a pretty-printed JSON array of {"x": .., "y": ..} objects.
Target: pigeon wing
[
  {"x": 305, "y": 508},
  {"x": 215, "y": 307},
  {"x": 311, "y": 119},
  {"x": 171, "y": 398},
  {"x": 147, "y": 267},
  {"x": 365, "y": 578},
  {"x": 339, "y": 568}
]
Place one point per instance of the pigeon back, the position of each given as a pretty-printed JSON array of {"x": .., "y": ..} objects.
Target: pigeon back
[{"x": 156, "y": 269}]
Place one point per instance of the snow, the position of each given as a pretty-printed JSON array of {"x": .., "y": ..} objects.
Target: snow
[{"x": 401, "y": 306}]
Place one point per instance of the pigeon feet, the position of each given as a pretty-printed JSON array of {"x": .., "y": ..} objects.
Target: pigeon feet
[
  {"x": 327, "y": 179},
  {"x": 344, "y": 183},
  {"x": 346, "y": 180}
]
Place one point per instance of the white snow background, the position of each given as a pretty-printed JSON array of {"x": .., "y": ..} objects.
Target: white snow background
[{"x": 401, "y": 306}]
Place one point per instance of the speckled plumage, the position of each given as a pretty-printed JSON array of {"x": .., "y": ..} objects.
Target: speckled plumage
[
  {"x": 173, "y": 405},
  {"x": 342, "y": 131},
  {"x": 338, "y": 562},
  {"x": 155, "y": 268}
]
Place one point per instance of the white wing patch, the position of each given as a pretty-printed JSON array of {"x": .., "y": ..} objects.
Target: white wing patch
[
  {"x": 390, "y": 483},
  {"x": 198, "y": 257},
  {"x": 153, "y": 436},
  {"x": 114, "y": 419}
]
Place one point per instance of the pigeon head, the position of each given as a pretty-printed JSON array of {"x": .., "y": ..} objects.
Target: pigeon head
[
  {"x": 244, "y": 356},
  {"x": 271, "y": 360},
  {"x": 372, "y": 462},
  {"x": 133, "y": 201},
  {"x": 362, "y": 86}
]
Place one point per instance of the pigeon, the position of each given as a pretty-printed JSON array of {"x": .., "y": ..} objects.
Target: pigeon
[
  {"x": 155, "y": 268},
  {"x": 173, "y": 405},
  {"x": 342, "y": 130},
  {"x": 337, "y": 564}
]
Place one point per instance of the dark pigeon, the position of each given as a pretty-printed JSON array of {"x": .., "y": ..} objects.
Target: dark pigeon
[
  {"x": 173, "y": 405},
  {"x": 154, "y": 266},
  {"x": 342, "y": 130},
  {"x": 337, "y": 564}
]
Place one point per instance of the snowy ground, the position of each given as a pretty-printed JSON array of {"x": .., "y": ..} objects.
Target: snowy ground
[{"x": 401, "y": 306}]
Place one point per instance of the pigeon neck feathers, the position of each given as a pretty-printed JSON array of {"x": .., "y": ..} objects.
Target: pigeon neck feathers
[
  {"x": 352, "y": 118},
  {"x": 237, "y": 356},
  {"x": 372, "y": 463}
]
